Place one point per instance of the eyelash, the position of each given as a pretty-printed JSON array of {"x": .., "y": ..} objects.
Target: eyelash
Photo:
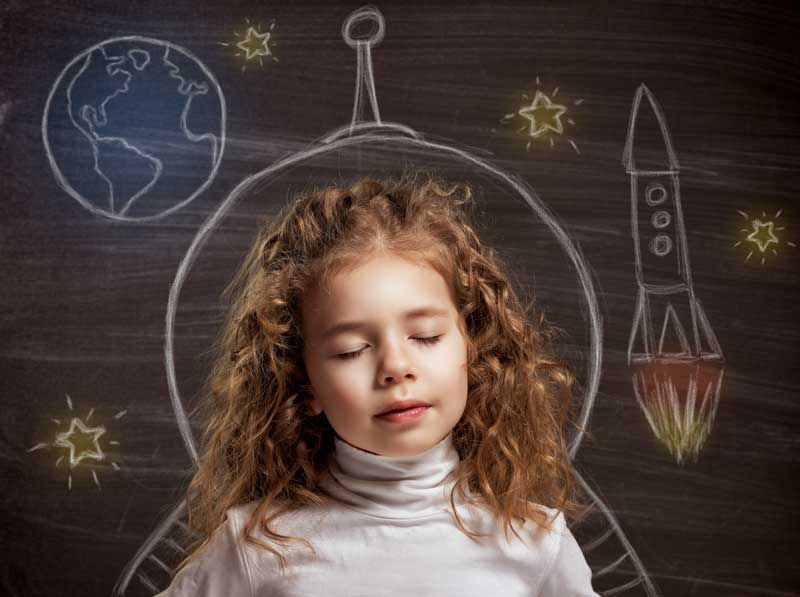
[{"x": 352, "y": 355}]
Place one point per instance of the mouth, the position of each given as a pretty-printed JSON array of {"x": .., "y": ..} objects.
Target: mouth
[
  {"x": 413, "y": 413},
  {"x": 403, "y": 406}
]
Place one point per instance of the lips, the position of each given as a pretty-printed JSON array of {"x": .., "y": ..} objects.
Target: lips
[{"x": 401, "y": 405}]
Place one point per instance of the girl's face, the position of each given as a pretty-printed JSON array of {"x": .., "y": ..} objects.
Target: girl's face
[{"x": 386, "y": 353}]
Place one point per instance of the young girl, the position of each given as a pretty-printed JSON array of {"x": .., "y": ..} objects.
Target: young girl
[{"x": 381, "y": 397}]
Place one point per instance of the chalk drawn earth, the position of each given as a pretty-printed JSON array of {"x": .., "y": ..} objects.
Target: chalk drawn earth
[{"x": 134, "y": 128}]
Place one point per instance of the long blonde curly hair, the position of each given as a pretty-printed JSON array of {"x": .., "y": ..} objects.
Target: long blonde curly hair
[{"x": 261, "y": 442}]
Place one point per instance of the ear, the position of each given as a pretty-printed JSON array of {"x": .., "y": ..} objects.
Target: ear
[{"x": 313, "y": 404}]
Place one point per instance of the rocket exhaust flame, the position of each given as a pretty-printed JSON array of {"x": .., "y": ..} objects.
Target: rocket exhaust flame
[{"x": 680, "y": 402}]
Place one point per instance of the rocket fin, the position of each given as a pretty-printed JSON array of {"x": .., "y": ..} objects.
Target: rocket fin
[
  {"x": 637, "y": 343},
  {"x": 709, "y": 346},
  {"x": 674, "y": 340}
]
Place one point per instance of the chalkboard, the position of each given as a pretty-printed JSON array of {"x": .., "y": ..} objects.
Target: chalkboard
[{"x": 636, "y": 163}]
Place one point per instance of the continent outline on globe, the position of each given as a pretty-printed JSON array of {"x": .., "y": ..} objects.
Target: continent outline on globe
[{"x": 110, "y": 69}]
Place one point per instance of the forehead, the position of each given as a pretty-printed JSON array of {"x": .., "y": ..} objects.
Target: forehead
[{"x": 383, "y": 286}]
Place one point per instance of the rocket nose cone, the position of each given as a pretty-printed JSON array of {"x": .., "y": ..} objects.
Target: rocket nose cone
[{"x": 648, "y": 145}]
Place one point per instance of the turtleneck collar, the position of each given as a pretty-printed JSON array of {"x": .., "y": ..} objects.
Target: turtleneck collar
[{"x": 393, "y": 486}]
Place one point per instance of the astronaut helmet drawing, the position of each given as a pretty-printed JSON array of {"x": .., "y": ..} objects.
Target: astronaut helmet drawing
[{"x": 366, "y": 144}]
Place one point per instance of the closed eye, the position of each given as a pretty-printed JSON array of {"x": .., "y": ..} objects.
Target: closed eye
[{"x": 425, "y": 341}]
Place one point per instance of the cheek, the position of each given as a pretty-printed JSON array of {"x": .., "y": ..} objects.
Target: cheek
[
  {"x": 457, "y": 351},
  {"x": 344, "y": 386},
  {"x": 452, "y": 367}
]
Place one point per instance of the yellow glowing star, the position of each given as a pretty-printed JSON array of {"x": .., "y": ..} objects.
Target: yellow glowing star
[
  {"x": 544, "y": 117},
  {"x": 762, "y": 234},
  {"x": 82, "y": 442},
  {"x": 254, "y": 45}
]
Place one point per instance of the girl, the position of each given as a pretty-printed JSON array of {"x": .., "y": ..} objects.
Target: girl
[{"x": 381, "y": 397}]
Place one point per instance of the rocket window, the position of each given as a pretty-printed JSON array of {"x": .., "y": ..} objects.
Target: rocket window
[
  {"x": 661, "y": 245},
  {"x": 655, "y": 194},
  {"x": 661, "y": 219}
]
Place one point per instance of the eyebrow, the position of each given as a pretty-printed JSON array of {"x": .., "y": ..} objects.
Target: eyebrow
[{"x": 347, "y": 326}]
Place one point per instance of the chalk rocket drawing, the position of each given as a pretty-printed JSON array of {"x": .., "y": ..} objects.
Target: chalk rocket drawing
[
  {"x": 677, "y": 360},
  {"x": 116, "y": 128},
  {"x": 614, "y": 563}
]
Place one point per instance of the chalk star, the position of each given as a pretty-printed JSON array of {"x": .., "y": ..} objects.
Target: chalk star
[
  {"x": 544, "y": 115},
  {"x": 763, "y": 235},
  {"x": 254, "y": 44},
  {"x": 83, "y": 441}
]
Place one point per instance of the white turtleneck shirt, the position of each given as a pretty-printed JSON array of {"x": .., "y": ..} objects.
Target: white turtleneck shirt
[{"x": 387, "y": 532}]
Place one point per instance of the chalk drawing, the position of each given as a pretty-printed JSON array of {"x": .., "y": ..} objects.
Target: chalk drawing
[
  {"x": 81, "y": 442},
  {"x": 155, "y": 561},
  {"x": 611, "y": 569},
  {"x": 762, "y": 232},
  {"x": 544, "y": 117},
  {"x": 254, "y": 44},
  {"x": 369, "y": 129},
  {"x": 675, "y": 354},
  {"x": 116, "y": 128}
]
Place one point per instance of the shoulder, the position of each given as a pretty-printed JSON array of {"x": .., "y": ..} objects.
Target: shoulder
[
  {"x": 556, "y": 527},
  {"x": 566, "y": 571},
  {"x": 304, "y": 520},
  {"x": 238, "y": 516},
  {"x": 218, "y": 567}
]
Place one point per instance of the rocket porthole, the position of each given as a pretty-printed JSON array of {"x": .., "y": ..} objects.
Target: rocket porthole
[
  {"x": 655, "y": 194},
  {"x": 661, "y": 245},
  {"x": 661, "y": 219}
]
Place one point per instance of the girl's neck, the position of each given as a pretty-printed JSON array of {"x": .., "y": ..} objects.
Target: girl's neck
[{"x": 397, "y": 487}]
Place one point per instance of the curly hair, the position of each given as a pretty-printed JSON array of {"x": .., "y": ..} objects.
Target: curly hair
[{"x": 261, "y": 442}]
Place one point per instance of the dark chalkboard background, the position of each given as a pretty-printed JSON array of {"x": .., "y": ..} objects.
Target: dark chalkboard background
[{"x": 84, "y": 295}]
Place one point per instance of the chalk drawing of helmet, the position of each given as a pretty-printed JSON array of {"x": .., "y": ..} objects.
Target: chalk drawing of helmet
[{"x": 366, "y": 145}]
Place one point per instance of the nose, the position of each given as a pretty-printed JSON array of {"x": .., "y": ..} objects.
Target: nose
[{"x": 395, "y": 364}]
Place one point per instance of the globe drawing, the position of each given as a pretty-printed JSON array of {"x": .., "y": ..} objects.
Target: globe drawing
[{"x": 134, "y": 128}]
